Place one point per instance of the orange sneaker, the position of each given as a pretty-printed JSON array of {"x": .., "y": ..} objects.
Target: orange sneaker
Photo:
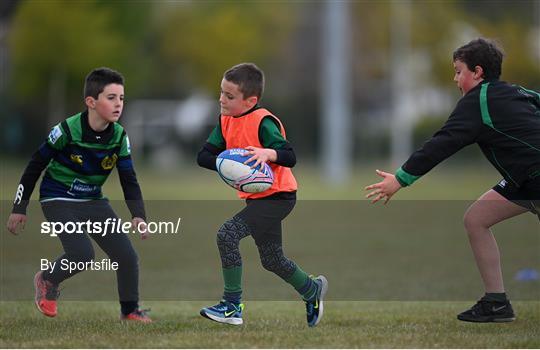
[
  {"x": 46, "y": 295},
  {"x": 137, "y": 315}
]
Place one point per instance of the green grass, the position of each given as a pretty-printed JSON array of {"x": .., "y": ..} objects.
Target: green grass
[
  {"x": 391, "y": 269},
  {"x": 366, "y": 252},
  {"x": 267, "y": 325}
]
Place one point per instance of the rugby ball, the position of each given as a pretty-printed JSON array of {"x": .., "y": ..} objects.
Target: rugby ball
[{"x": 231, "y": 168}]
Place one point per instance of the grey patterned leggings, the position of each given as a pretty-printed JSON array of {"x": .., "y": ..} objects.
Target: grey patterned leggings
[{"x": 271, "y": 253}]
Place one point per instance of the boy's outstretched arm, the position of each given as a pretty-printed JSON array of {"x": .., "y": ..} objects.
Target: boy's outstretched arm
[
  {"x": 39, "y": 161},
  {"x": 384, "y": 189},
  {"x": 461, "y": 129}
]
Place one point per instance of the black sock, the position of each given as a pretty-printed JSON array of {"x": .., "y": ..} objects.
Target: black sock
[
  {"x": 497, "y": 297},
  {"x": 128, "y": 307}
]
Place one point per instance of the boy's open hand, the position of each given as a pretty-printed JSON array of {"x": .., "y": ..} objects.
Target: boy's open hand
[
  {"x": 140, "y": 225},
  {"x": 14, "y": 220},
  {"x": 260, "y": 155},
  {"x": 384, "y": 189}
]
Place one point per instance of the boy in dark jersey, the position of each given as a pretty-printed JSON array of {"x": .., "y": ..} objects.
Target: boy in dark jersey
[
  {"x": 244, "y": 124},
  {"x": 78, "y": 156},
  {"x": 504, "y": 120}
]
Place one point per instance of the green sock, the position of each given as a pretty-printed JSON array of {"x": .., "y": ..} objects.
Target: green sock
[
  {"x": 303, "y": 284},
  {"x": 232, "y": 278}
]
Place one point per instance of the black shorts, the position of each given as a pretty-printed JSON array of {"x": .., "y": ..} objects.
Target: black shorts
[
  {"x": 527, "y": 195},
  {"x": 263, "y": 216}
]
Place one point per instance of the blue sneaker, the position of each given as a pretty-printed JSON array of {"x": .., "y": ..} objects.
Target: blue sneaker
[
  {"x": 224, "y": 312},
  {"x": 314, "y": 307}
]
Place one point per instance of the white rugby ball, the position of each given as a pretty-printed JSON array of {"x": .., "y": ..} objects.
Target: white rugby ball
[{"x": 231, "y": 168}]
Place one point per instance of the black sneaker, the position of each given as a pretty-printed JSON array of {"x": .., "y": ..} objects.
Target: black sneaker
[{"x": 489, "y": 311}]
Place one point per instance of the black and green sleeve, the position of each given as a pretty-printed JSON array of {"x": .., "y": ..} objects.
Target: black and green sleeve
[
  {"x": 215, "y": 144},
  {"x": 128, "y": 180},
  {"x": 461, "y": 129},
  {"x": 270, "y": 137},
  {"x": 55, "y": 142}
]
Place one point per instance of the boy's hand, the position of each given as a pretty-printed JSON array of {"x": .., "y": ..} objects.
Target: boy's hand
[
  {"x": 384, "y": 189},
  {"x": 14, "y": 220},
  {"x": 140, "y": 225},
  {"x": 261, "y": 155}
]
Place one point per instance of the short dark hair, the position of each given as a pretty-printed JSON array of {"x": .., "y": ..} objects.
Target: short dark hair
[
  {"x": 484, "y": 53},
  {"x": 248, "y": 77},
  {"x": 97, "y": 79}
]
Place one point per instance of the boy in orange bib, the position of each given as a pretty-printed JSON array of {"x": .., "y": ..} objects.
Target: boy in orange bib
[{"x": 244, "y": 124}]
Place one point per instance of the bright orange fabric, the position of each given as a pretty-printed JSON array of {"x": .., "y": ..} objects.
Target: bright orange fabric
[{"x": 240, "y": 132}]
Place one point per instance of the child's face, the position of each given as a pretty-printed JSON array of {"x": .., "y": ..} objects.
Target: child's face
[
  {"x": 465, "y": 78},
  {"x": 231, "y": 99},
  {"x": 109, "y": 103}
]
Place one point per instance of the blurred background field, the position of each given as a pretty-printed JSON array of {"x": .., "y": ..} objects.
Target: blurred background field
[
  {"x": 355, "y": 82},
  {"x": 454, "y": 180}
]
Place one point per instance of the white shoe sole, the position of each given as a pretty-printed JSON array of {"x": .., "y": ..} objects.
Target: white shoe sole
[{"x": 236, "y": 321}]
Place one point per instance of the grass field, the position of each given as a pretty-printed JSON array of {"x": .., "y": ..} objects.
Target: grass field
[
  {"x": 398, "y": 274},
  {"x": 268, "y": 325}
]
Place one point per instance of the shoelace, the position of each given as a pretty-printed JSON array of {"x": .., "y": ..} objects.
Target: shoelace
[{"x": 220, "y": 306}]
